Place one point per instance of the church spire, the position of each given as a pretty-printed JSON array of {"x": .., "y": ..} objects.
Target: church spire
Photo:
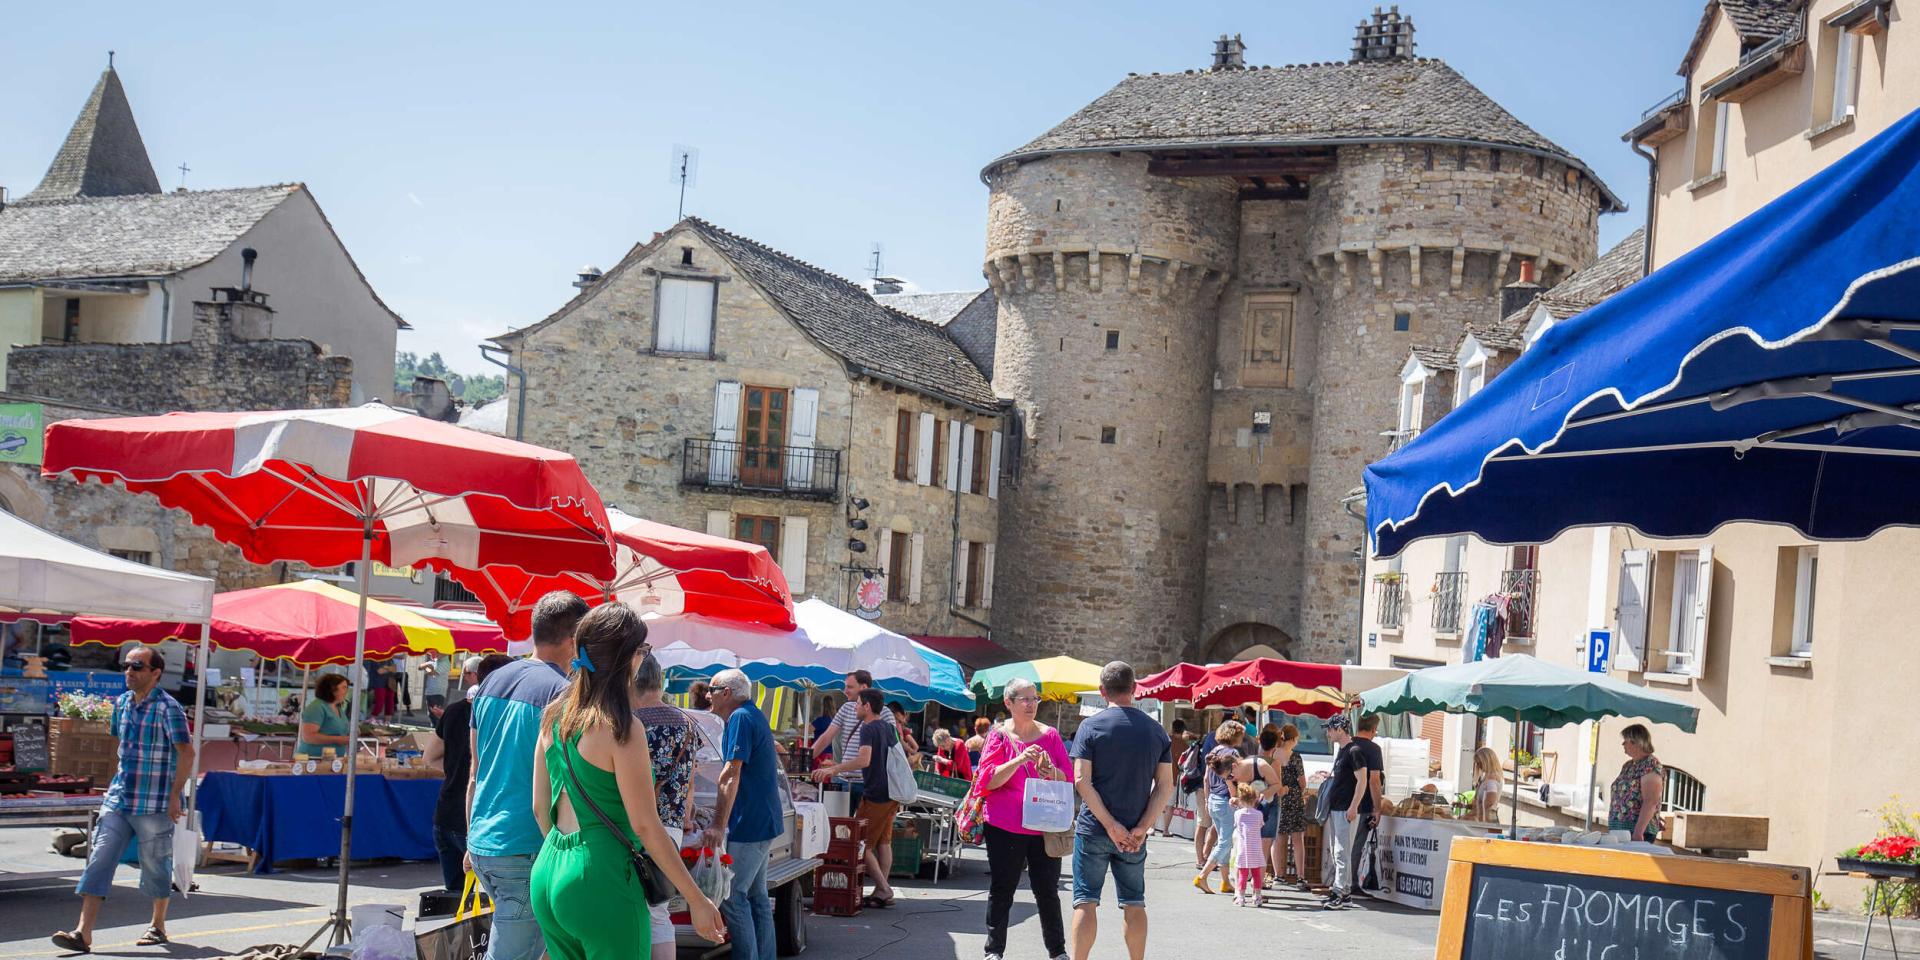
[{"x": 104, "y": 155}]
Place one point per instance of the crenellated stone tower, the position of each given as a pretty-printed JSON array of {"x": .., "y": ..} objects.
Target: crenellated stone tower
[{"x": 1204, "y": 280}]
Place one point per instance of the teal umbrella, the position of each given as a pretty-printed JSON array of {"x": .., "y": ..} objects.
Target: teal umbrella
[{"x": 1521, "y": 688}]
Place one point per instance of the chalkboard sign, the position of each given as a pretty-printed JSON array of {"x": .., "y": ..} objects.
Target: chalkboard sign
[
  {"x": 30, "y": 747},
  {"x": 1506, "y": 900},
  {"x": 1518, "y": 914}
]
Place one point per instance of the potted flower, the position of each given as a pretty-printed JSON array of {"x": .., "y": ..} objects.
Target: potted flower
[{"x": 1894, "y": 857}]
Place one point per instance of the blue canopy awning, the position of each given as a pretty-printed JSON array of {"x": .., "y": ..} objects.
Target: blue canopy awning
[{"x": 1772, "y": 374}]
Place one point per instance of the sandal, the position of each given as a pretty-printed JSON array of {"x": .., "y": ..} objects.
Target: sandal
[
  {"x": 71, "y": 942},
  {"x": 875, "y": 902},
  {"x": 152, "y": 938}
]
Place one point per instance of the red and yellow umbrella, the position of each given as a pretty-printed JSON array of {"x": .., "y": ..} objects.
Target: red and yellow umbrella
[{"x": 309, "y": 622}]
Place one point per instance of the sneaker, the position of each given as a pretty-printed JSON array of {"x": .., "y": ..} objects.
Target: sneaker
[
  {"x": 1333, "y": 901},
  {"x": 1239, "y": 901}
]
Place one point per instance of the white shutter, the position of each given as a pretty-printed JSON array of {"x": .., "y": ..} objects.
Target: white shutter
[
  {"x": 924, "y": 471},
  {"x": 718, "y": 522},
  {"x": 916, "y": 551},
  {"x": 793, "y": 553},
  {"x": 802, "y": 433},
  {"x": 1703, "y": 593},
  {"x": 966, "y": 458},
  {"x": 1630, "y": 612},
  {"x": 953, "y": 454},
  {"x": 993, "y": 470},
  {"x": 722, "y": 459},
  {"x": 886, "y": 561},
  {"x": 962, "y": 556},
  {"x": 698, "y": 322},
  {"x": 986, "y": 578},
  {"x": 670, "y": 316}
]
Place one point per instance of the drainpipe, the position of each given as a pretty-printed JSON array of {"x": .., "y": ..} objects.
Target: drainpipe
[
  {"x": 1359, "y": 495},
  {"x": 166, "y": 309},
  {"x": 520, "y": 405},
  {"x": 1653, "y": 186}
]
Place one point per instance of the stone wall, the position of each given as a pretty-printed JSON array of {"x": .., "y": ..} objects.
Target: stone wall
[{"x": 224, "y": 366}]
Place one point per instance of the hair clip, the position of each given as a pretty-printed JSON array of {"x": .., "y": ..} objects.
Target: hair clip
[{"x": 580, "y": 662}]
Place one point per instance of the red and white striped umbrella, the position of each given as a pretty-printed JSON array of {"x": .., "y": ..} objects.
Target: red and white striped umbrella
[{"x": 307, "y": 485}]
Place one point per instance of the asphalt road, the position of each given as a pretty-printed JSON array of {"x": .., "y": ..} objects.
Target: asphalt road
[{"x": 235, "y": 910}]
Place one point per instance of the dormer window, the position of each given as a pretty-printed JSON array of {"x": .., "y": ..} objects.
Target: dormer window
[
  {"x": 1472, "y": 361},
  {"x": 1414, "y": 377},
  {"x": 1538, "y": 324}
]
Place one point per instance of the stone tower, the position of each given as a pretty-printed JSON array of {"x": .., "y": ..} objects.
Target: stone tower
[{"x": 1204, "y": 278}]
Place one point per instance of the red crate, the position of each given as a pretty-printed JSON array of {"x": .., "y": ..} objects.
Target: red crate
[
  {"x": 845, "y": 836},
  {"x": 837, "y": 890}
]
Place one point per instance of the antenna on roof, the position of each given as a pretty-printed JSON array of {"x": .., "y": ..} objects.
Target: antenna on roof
[
  {"x": 184, "y": 170},
  {"x": 684, "y": 171},
  {"x": 109, "y": 59},
  {"x": 873, "y": 262}
]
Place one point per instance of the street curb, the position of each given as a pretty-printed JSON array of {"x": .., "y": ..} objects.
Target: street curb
[{"x": 1848, "y": 930}]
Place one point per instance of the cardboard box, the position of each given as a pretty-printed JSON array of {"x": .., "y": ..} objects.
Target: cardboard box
[{"x": 1719, "y": 831}]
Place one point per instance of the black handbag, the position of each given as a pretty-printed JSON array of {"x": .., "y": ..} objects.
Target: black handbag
[{"x": 656, "y": 889}]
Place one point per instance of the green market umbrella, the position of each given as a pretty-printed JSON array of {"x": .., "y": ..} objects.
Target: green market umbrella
[{"x": 1521, "y": 688}]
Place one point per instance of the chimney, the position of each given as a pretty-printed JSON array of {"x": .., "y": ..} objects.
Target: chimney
[
  {"x": 888, "y": 285},
  {"x": 1518, "y": 295},
  {"x": 587, "y": 277},
  {"x": 1229, "y": 53},
  {"x": 3, "y": 198},
  {"x": 247, "y": 257},
  {"x": 1388, "y": 36}
]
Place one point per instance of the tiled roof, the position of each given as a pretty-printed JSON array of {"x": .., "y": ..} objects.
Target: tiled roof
[
  {"x": 1306, "y": 104},
  {"x": 103, "y": 155},
  {"x": 934, "y": 308},
  {"x": 873, "y": 340},
  {"x": 1756, "y": 21},
  {"x": 1608, "y": 274},
  {"x": 140, "y": 235},
  {"x": 1434, "y": 358}
]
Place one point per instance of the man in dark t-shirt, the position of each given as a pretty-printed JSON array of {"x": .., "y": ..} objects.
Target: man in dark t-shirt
[
  {"x": 872, "y": 755},
  {"x": 1123, "y": 772},
  {"x": 1358, "y": 774}
]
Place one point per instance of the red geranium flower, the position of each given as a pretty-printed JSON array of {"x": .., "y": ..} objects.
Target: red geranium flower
[{"x": 726, "y": 859}]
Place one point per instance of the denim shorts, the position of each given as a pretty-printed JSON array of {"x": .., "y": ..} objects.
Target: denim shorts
[{"x": 1093, "y": 856}]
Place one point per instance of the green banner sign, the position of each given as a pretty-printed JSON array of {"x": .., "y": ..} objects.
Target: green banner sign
[{"x": 22, "y": 426}]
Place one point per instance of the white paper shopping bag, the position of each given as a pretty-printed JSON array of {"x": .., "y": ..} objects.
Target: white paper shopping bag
[{"x": 1047, "y": 806}]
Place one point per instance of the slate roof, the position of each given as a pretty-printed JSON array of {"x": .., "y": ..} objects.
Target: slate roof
[
  {"x": 141, "y": 235},
  {"x": 103, "y": 155},
  {"x": 1301, "y": 105},
  {"x": 874, "y": 340},
  {"x": 935, "y": 308},
  {"x": 1755, "y": 21},
  {"x": 1434, "y": 358},
  {"x": 1608, "y": 274}
]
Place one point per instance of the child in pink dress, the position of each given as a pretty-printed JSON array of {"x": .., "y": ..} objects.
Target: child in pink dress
[{"x": 1248, "y": 851}]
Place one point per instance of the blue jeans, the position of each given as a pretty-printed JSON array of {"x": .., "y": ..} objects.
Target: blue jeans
[
  {"x": 154, "y": 832},
  {"x": 452, "y": 848},
  {"x": 748, "y": 910},
  {"x": 1221, "y": 810},
  {"x": 516, "y": 934},
  {"x": 1093, "y": 856}
]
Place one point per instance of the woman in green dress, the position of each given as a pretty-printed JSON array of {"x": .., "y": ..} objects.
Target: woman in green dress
[
  {"x": 323, "y": 722},
  {"x": 586, "y": 897}
]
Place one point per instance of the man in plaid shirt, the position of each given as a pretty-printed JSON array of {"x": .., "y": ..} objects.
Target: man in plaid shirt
[{"x": 156, "y": 757}]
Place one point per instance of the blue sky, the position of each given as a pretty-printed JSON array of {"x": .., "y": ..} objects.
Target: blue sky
[{"x": 473, "y": 156}]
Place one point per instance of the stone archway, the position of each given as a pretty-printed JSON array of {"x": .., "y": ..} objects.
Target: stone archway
[{"x": 1247, "y": 641}]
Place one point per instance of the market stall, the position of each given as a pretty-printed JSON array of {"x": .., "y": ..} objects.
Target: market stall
[{"x": 290, "y": 817}]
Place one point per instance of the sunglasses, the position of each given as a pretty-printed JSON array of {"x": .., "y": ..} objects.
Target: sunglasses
[{"x": 135, "y": 667}]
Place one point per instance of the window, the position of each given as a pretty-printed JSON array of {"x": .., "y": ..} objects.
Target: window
[
  {"x": 899, "y": 565},
  {"x": 940, "y": 447},
  {"x": 763, "y": 436},
  {"x": 1109, "y": 435},
  {"x": 1471, "y": 361},
  {"x": 1846, "y": 74},
  {"x": 683, "y": 316},
  {"x": 1268, "y": 357},
  {"x": 1413, "y": 400},
  {"x": 982, "y": 457},
  {"x": 764, "y": 531},
  {"x": 1455, "y": 558},
  {"x": 1113, "y": 340},
  {"x": 903, "y": 446},
  {"x": 1719, "y": 137},
  {"x": 1690, "y": 589},
  {"x": 1402, "y": 320},
  {"x": 686, "y": 256},
  {"x": 137, "y": 556},
  {"x": 70, "y": 324},
  {"x": 976, "y": 554},
  {"x": 1805, "y": 580}
]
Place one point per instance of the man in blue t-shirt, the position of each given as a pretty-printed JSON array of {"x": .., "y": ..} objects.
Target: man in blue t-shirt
[
  {"x": 502, "y": 836},
  {"x": 747, "y": 818},
  {"x": 1123, "y": 771}
]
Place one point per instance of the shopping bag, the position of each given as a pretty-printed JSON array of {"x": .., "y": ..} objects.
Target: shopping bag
[
  {"x": 186, "y": 855},
  {"x": 466, "y": 936},
  {"x": 1047, "y": 806}
]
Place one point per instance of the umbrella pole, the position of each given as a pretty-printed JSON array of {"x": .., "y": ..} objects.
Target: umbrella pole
[
  {"x": 199, "y": 727},
  {"x": 1513, "y": 745},
  {"x": 339, "y": 925}
]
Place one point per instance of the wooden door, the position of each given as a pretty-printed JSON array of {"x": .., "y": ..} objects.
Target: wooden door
[{"x": 763, "y": 436}]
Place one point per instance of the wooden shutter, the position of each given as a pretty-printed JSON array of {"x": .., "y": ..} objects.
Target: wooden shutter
[
  {"x": 903, "y": 445},
  {"x": 923, "y": 468},
  {"x": 986, "y": 575},
  {"x": 1630, "y": 611},
  {"x": 886, "y": 562},
  {"x": 670, "y": 315},
  {"x": 722, "y": 458},
  {"x": 966, "y": 458},
  {"x": 993, "y": 472},
  {"x": 915, "y": 559},
  {"x": 1433, "y": 726},
  {"x": 793, "y": 553},
  {"x": 953, "y": 454},
  {"x": 962, "y": 559},
  {"x": 1703, "y": 599},
  {"x": 802, "y": 426},
  {"x": 719, "y": 523}
]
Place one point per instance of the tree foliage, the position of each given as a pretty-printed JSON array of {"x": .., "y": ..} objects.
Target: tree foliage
[{"x": 475, "y": 389}]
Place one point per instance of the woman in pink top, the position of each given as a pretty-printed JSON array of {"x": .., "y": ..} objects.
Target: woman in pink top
[{"x": 1016, "y": 750}]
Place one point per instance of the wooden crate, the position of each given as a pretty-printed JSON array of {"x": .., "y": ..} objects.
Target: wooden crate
[{"x": 1719, "y": 831}]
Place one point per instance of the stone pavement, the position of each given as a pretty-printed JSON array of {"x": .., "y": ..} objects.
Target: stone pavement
[{"x": 235, "y": 910}]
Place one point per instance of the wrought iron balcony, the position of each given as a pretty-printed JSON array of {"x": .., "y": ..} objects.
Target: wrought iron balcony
[
  {"x": 446, "y": 590},
  {"x": 1389, "y": 598},
  {"x": 808, "y": 473},
  {"x": 1519, "y": 587},
  {"x": 1449, "y": 589}
]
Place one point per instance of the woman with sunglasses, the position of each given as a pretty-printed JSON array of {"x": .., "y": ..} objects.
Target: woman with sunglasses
[{"x": 1017, "y": 750}]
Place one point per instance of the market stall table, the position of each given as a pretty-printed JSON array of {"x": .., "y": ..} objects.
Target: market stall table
[{"x": 296, "y": 816}]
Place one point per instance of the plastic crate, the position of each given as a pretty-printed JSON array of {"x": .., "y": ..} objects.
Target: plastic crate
[
  {"x": 952, "y": 788},
  {"x": 906, "y": 855},
  {"x": 845, "y": 839},
  {"x": 837, "y": 890}
]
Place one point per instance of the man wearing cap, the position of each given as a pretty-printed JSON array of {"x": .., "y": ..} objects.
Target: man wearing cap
[{"x": 1358, "y": 774}]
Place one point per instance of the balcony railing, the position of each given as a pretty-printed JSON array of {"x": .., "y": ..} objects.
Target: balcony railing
[
  {"x": 1519, "y": 586},
  {"x": 1666, "y": 103},
  {"x": 1448, "y": 590},
  {"x": 446, "y": 590},
  {"x": 1389, "y": 597},
  {"x": 811, "y": 473}
]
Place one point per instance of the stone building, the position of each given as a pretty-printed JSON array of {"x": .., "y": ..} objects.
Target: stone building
[
  {"x": 97, "y": 253},
  {"x": 711, "y": 382},
  {"x": 1203, "y": 280}
]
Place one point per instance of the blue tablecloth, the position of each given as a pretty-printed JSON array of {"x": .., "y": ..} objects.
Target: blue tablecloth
[{"x": 297, "y": 817}]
